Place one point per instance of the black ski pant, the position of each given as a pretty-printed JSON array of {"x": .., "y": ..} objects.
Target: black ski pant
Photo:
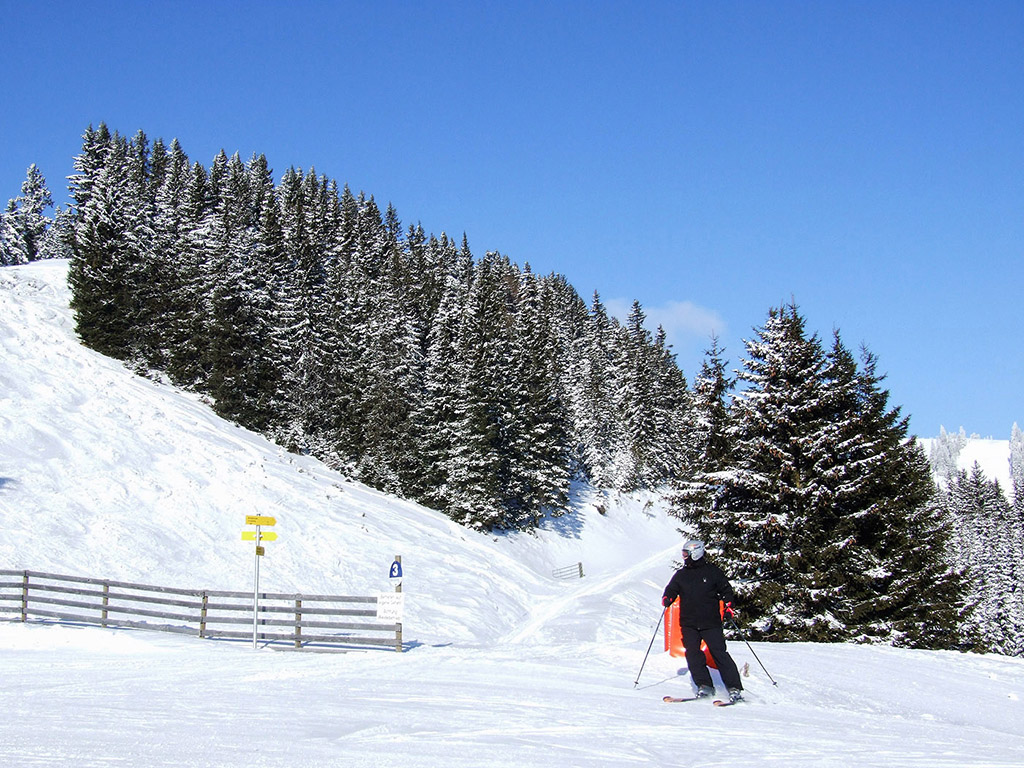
[{"x": 697, "y": 664}]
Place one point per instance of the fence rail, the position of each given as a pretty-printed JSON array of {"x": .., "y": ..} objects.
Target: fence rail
[{"x": 302, "y": 621}]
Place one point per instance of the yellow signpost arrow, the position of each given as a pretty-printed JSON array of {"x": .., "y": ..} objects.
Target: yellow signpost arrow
[
  {"x": 260, "y": 520},
  {"x": 263, "y": 536}
]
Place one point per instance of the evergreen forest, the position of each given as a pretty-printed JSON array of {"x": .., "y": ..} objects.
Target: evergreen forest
[{"x": 307, "y": 313}]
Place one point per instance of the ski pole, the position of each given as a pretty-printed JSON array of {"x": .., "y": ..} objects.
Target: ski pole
[
  {"x": 635, "y": 682},
  {"x": 744, "y": 639}
]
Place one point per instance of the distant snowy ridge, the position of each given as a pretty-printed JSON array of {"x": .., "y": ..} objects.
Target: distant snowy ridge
[{"x": 993, "y": 456}]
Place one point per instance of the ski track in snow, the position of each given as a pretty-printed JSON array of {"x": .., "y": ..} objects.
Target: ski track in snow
[{"x": 106, "y": 474}]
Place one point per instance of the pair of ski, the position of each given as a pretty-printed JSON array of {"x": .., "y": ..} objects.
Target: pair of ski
[{"x": 716, "y": 702}]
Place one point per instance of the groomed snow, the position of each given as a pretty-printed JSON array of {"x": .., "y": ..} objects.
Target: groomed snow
[{"x": 106, "y": 474}]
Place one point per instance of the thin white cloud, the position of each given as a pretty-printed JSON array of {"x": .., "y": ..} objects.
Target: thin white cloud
[{"x": 686, "y": 324}]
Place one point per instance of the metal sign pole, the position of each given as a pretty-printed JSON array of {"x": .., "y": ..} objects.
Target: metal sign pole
[
  {"x": 258, "y": 537},
  {"x": 256, "y": 589}
]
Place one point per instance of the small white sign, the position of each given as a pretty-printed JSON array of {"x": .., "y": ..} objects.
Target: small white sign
[{"x": 390, "y": 606}]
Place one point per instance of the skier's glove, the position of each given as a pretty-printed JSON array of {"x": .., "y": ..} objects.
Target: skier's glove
[
  {"x": 666, "y": 601},
  {"x": 729, "y": 611}
]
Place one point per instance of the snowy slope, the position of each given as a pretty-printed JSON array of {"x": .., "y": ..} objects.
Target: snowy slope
[
  {"x": 103, "y": 473},
  {"x": 993, "y": 456}
]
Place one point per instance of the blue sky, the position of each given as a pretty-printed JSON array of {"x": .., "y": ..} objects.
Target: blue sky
[{"x": 712, "y": 160}]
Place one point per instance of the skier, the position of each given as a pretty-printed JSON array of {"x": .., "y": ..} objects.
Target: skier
[{"x": 700, "y": 585}]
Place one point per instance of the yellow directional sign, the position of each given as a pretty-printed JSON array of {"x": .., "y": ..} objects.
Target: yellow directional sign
[
  {"x": 260, "y": 520},
  {"x": 264, "y": 536}
]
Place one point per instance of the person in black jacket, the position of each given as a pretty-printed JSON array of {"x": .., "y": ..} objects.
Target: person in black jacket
[{"x": 700, "y": 586}]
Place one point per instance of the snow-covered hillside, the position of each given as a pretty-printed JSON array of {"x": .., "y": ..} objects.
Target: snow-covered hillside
[
  {"x": 993, "y": 456},
  {"x": 106, "y": 474}
]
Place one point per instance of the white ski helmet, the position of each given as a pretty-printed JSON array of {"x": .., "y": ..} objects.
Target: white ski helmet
[{"x": 693, "y": 549}]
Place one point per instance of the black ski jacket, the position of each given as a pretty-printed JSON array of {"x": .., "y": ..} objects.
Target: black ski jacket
[{"x": 699, "y": 586}]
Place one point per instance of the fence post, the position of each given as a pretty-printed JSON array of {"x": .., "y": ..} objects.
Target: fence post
[
  {"x": 24, "y": 597},
  {"x": 298, "y": 619},
  {"x": 580, "y": 564},
  {"x": 202, "y": 614},
  {"x": 106, "y": 603}
]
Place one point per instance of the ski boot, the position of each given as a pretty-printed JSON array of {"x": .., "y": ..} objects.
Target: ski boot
[{"x": 705, "y": 691}]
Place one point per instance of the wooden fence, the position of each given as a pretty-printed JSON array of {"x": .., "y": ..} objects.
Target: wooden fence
[
  {"x": 300, "y": 621},
  {"x": 569, "y": 571}
]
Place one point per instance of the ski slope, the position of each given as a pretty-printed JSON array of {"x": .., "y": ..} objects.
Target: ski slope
[{"x": 106, "y": 474}]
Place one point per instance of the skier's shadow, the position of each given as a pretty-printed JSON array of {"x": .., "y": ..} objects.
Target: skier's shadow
[{"x": 679, "y": 673}]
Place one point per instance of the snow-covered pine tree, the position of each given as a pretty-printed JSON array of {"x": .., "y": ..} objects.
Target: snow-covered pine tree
[
  {"x": 537, "y": 439},
  {"x": 102, "y": 269},
  {"x": 671, "y": 398},
  {"x": 8, "y": 236},
  {"x": 825, "y": 511},
  {"x": 57, "y": 240},
  {"x": 302, "y": 202},
  {"x": 238, "y": 329},
  {"x": 945, "y": 450},
  {"x": 278, "y": 305},
  {"x": 478, "y": 474},
  {"x": 390, "y": 367},
  {"x": 434, "y": 416},
  {"x": 707, "y": 448},
  {"x": 594, "y": 381},
  {"x": 769, "y": 497},
  {"x": 889, "y": 551},
  {"x": 987, "y": 544},
  {"x": 635, "y": 403},
  {"x": 1017, "y": 469},
  {"x": 156, "y": 336},
  {"x": 190, "y": 297},
  {"x": 24, "y": 224}
]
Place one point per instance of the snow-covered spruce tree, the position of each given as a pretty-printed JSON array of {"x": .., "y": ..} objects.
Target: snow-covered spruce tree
[
  {"x": 538, "y": 442},
  {"x": 901, "y": 586},
  {"x": 768, "y": 498},
  {"x": 389, "y": 368},
  {"x": 1017, "y": 469},
  {"x": 238, "y": 330},
  {"x": 650, "y": 402},
  {"x": 7, "y": 236},
  {"x": 707, "y": 448},
  {"x": 944, "y": 452},
  {"x": 1017, "y": 521},
  {"x": 671, "y": 398},
  {"x": 57, "y": 240},
  {"x": 434, "y": 415},
  {"x": 824, "y": 511},
  {"x": 592, "y": 381},
  {"x": 24, "y": 224},
  {"x": 987, "y": 544},
  {"x": 479, "y": 471},
  {"x": 101, "y": 272},
  {"x": 155, "y": 336},
  {"x": 190, "y": 295},
  {"x": 634, "y": 404},
  {"x": 279, "y": 306}
]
